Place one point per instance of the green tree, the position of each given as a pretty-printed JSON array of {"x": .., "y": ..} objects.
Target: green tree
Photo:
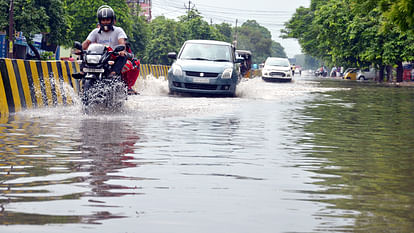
[
  {"x": 400, "y": 12},
  {"x": 58, "y": 25},
  {"x": 256, "y": 38},
  {"x": 166, "y": 37},
  {"x": 277, "y": 50},
  {"x": 350, "y": 33},
  {"x": 196, "y": 28},
  {"x": 82, "y": 14},
  {"x": 139, "y": 36},
  {"x": 301, "y": 28},
  {"x": 29, "y": 17},
  {"x": 225, "y": 30}
]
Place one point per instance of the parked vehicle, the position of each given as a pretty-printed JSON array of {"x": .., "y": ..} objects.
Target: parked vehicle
[
  {"x": 350, "y": 74},
  {"x": 246, "y": 65},
  {"x": 204, "y": 67},
  {"x": 366, "y": 74},
  {"x": 321, "y": 72},
  {"x": 100, "y": 90},
  {"x": 277, "y": 69}
]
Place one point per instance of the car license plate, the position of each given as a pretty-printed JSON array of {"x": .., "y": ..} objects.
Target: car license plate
[
  {"x": 92, "y": 70},
  {"x": 201, "y": 80}
]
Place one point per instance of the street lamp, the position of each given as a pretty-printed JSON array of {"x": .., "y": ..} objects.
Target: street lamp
[{"x": 11, "y": 29}]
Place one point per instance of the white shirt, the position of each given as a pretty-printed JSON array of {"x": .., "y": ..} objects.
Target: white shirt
[{"x": 109, "y": 38}]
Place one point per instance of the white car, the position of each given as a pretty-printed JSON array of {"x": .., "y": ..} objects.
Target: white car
[
  {"x": 277, "y": 69},
  {"x": 366, "y": 74}
]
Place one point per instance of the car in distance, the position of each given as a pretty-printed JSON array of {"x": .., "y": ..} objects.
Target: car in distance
[
  {"x": 366, "y": 74},
  {"x": 277, "y": 69},
  {"x": 204, "y": 67},
  {"x": 350, "y": 74}
]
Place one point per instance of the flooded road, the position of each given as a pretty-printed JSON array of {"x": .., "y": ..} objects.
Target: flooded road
[{"x": 308, "y": 156}]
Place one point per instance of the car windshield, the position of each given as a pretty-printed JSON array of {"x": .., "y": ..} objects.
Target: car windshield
[
  {"x": 277, "y": 62},
  {"x": 211, "y": 52}
]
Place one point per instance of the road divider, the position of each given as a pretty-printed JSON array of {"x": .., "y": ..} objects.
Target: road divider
[
  {"x": 29, "y": 84},
  {"x": 158, "y": 71}
]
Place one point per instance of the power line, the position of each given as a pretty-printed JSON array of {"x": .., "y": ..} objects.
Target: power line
[
  {"x": 222, "y": 14},
  {"x": 248, "y": 10}
]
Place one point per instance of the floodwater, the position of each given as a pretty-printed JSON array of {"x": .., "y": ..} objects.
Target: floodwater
[{"x": 308, "y": 156}]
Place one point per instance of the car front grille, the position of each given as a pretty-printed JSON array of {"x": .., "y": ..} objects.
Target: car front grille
[
  {"x": 201, "y": 74},
  {"x": 200, "y": 86},
  {"x": 277, "y": 74}
]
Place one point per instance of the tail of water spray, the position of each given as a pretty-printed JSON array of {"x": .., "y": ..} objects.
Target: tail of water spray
[{"x": 152, "y": 86}]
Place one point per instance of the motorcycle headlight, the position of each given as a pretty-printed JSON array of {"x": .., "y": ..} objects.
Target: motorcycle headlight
[
  {"x": 177, "y": 71},
  {"x": 93, "y": 59},
  {"x": 227, "y": 73}
]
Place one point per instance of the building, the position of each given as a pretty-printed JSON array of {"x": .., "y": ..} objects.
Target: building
[{"x": 145, "y": 6}]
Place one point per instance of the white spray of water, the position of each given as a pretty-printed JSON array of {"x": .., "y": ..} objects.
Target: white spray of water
[
  {"x": 152, "y": 86},
  {"x": 256, "y": 88},
  {"x": 154, "y": 100}
]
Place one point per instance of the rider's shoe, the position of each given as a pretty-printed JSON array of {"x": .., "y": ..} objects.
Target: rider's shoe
[
  {"x": 78, "y": 75},
  {"x": 132, "y": 92}
]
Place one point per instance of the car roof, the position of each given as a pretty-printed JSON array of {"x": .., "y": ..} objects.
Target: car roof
[
  {"x": 243, "y": 51},
  {"x": 208, "y": 42},
  {"x": 277, "y": 58}
]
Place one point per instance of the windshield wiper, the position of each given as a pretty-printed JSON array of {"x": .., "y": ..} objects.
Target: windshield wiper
[
  {"x": 198, "y": 58},
  {"x": 222, "y": 60}
]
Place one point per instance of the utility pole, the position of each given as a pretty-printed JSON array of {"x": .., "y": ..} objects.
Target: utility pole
[
  {"x": 188, "y": 9},
  {"x": 11, "y": 31},
  {"x": 235, "y": 35}
]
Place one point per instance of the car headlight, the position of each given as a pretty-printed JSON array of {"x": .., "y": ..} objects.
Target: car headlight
[
  {"x": 177, "y": 71},
  {"x": 93, "y": 59},
  {"x": 227, "y": 73},
  {"x": 265, "y": 72}
]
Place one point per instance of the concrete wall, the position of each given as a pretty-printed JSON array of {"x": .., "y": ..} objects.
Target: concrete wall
[{"x": 30, "y": 84}]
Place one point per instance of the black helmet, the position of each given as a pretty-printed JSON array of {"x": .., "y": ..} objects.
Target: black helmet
[{"x": 106, "y": 12}]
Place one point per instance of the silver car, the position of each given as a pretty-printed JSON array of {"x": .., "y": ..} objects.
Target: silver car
[
  {"x": 204, "y": 67},
  {"x": 366, "y": 74}
]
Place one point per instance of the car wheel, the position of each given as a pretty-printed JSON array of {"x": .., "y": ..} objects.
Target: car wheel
[{"x": 361, "y": 78}]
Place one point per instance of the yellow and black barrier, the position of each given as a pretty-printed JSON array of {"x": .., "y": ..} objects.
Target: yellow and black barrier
[
  {"x": 154, "y": 70},
  {"x": 29, "y": 84}
]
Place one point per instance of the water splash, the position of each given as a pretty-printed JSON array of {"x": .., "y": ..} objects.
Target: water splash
[
  {"x": 152, "y": 86},
  {"x": 256, "y": 88}
]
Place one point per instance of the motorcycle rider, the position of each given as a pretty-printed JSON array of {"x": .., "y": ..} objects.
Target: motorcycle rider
[{"x": 108, "y": 34}]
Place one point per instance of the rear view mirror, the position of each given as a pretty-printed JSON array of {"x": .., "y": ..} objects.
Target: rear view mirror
[
  {"x": 119, "y": 48},
  {"x": 172, "y": 55},
  {"x": 77, "y": 45}
]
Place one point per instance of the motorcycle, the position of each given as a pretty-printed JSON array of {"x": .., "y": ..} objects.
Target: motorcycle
[
  {"x": 100, "y": 89},
  {"x": 321, "y": 72}
]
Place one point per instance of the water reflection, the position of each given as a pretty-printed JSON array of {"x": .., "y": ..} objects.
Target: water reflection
[
  {"x": 364, "y": 136},
  {"x": 331, "y": 156},
  {"x": 105, "y": 148},
  {"x": 41, "y": 162}
]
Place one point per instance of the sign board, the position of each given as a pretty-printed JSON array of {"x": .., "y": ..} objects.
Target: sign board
[{"x": 3, "y": 45}]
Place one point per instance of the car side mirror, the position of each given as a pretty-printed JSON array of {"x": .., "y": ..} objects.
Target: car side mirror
[
  {"x": 172, "y": 55},
  {"x": 77, "y": 45}
]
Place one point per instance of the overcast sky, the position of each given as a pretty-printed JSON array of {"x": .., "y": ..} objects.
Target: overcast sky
[{"x": 271, "y": 14}]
